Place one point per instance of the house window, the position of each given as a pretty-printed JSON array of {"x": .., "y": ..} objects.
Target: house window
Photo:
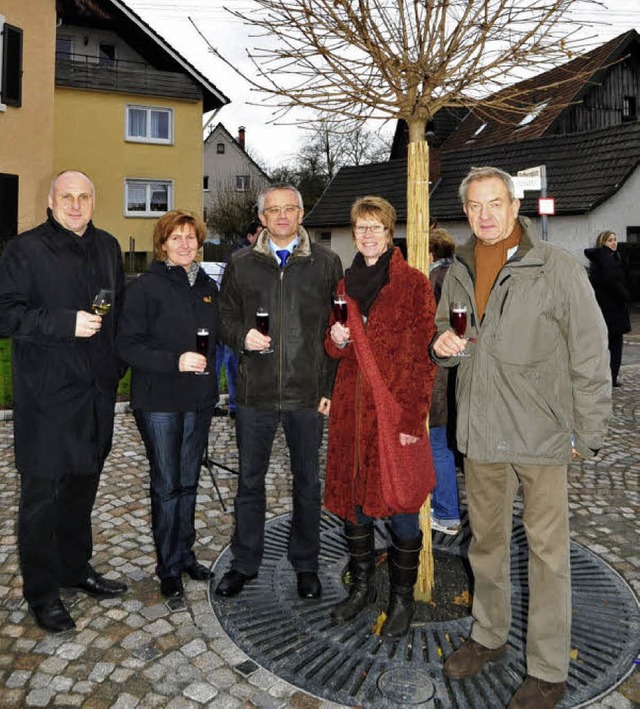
[
  {"x": 243, "y": 183},
  {"x": 10, "y": 65},
  {"x": 205, "y": 183},
  {"x": 633, "y": 234},
  {"x": 148, "y": 198},
  {"x": 107, "y": 54},
  {"x": 149, "y": 125},
  {"x": 220, "y": 148},
  {"x": 533, "y": 114},
  {"x": 629, "y": 108},
  {"x": 325, "y": 236},
  {"x": 9, "y": 211},
  {"x": 64, "y": 48}
]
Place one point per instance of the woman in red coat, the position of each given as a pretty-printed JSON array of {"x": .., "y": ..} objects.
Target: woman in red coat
[{"x": 376, "y": 467}]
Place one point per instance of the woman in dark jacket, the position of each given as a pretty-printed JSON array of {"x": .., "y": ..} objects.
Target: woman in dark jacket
[
  {"x": 396, "y": 304},
  {"x": 173, "y": 387},
  {"x": 608, "y": 279}
]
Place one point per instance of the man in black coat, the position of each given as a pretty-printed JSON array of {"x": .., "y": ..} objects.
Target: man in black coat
[
  {"x": 65, "y": 376},
  {"x": 284, "y": 377}
]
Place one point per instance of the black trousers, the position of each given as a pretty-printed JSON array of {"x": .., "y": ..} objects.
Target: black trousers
[
  {"x": 615, "y": 354},
  {"x": 54, "y": 533},
  {"x": 255, "y": 432}
]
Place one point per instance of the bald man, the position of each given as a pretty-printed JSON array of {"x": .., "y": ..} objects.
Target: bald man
[{"x": 65, "y": 376}]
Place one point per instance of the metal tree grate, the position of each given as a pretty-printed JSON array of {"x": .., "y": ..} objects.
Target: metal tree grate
[{"x": 296, "y": 641}]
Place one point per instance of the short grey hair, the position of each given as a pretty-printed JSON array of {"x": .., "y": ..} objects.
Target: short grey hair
[
  {"x": 52, "y": 186},
  {"x": 476, "y": 174},
  {"x": 273, "y": 188}
]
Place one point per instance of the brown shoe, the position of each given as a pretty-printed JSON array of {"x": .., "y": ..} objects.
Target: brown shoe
[
  {"x": 470, "y": 658},
  {"x": 535, "y": 693}
]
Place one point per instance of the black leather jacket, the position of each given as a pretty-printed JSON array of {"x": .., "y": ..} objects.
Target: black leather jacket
[{"x": 299, "y": 372}]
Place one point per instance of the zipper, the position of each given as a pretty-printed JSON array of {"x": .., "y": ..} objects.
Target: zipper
[{"x": 280, "y": 337}]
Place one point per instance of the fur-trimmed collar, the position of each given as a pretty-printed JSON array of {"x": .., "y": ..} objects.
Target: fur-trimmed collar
[{"x": 302, "y": 249}]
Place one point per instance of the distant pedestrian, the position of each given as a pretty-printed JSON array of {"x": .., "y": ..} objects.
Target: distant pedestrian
[
  {"x": 445, "y": 506},
  {"x": 608, "y": 279},
  {"x": 65, "y": 377}
]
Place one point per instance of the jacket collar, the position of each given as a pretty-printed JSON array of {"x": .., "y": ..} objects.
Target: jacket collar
[
  {"x": 90, "y": 231},
  {"x": 302, "y": 250},
  {"x": 529, "y": 243}
]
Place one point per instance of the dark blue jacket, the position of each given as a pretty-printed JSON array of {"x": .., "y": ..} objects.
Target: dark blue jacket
[{"x": 161, "y": 315}]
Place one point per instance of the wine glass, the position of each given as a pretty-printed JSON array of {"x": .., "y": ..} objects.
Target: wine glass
[
  {"x": 458, "y": 322},
  {"x": 202, "y": 344},
  {"x": 262, "y": 325},
  {"x": 340, "y": 311},
  {"x": 102, "y": 302}
]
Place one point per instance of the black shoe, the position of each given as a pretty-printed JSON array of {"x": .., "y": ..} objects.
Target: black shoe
[
  {"x": 617, "y": 384},
  {"x": 219, "y": 411},
  {"x": 53, "y": 618},
  {"x": 232, "y": 415},
  {"x": 198, "y": 572},
  {"x": 171, "y": 587},
  {"x": 232, "y": 583},
  {"x": 309, "y": 584},
  {"x": 98, "y": 586}
]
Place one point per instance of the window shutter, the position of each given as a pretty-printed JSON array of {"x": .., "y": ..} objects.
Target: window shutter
[{"x": 12, "y": 66}]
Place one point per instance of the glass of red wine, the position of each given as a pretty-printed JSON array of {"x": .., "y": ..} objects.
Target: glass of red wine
[
  {"x": 202, "y": 344},
  {"x": 262, "y": 326},
  {"x": 458, "y": 322},
  {"x": 340, "y": 311}
]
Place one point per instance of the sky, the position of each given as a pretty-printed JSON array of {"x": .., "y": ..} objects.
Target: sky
[{"x": 270, "y": 144}]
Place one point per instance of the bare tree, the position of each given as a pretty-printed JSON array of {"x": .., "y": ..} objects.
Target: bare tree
[
  {"x": 230, "y": 210},
  {"x": 406, "y": 59}
]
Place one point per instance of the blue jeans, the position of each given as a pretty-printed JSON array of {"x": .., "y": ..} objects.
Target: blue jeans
[
  {"x": 175, "y": 443},
  {"x": 405, "y": 525},
  {"x": 226, "y": 357},
  {"x": 255, "y": 432},
  {"x": 444, "y": 501}
]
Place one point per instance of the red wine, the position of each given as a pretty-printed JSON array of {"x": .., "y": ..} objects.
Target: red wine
[
  {"x": 458, "y": 320},
  {"x": 262, "y": 323},
  {"x": 202, "y": 342},
  {"x": 340, "y": 311}
]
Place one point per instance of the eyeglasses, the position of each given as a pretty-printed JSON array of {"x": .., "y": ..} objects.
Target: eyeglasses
[
  {"x": 288, "y": 210},
  {"x": 375, "y": 229}
]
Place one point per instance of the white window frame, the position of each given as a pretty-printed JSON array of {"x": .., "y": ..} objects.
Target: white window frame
[
  {"x": 243, "y": 183},
  {"x": 148, "y": 110},
  {"x": 147, "y": 182}
]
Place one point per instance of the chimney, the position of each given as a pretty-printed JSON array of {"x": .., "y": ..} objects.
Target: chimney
[{"x": 241, "y": 137}]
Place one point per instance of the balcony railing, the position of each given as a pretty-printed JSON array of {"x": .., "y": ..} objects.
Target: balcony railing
[{"x": 87, "y": 72}]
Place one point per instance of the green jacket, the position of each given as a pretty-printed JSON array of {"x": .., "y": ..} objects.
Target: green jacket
[{"x": 539, "y": 369}]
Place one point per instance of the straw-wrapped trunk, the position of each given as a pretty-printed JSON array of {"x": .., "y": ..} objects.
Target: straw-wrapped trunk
[{"x": 418, "y": 255}]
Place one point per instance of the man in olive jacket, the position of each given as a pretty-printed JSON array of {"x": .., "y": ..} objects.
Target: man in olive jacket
[
  {"x": 65, "y": 376},
  {"x": 534, "y": 393},
  {"x": 284, "y": 376}
]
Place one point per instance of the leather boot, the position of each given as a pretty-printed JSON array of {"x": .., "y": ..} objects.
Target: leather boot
[
  {"x": 362, "y": 591},
  {"x": 404, "y": 559}
]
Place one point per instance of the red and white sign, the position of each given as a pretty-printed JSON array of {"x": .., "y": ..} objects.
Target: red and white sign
[{"x": 546, "y": 206}]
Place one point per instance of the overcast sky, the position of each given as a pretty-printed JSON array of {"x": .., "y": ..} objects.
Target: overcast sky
[{"x": 272, "y": 145}]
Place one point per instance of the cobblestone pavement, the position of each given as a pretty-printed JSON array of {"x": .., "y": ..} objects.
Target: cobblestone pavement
[{"x": 136, "y": 652}]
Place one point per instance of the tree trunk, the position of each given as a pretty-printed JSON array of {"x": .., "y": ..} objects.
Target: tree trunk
[{"x": 418, "y": 255}]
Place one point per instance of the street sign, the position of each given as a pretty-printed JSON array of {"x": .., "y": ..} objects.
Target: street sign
[
  {"x": 546, "y": 206},
  {"x": 530, "y": 178}
]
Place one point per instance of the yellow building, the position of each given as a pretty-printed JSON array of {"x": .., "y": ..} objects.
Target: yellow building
[
  {"x": 27, "y": 46},
  {"x": 128, "y": 112}
]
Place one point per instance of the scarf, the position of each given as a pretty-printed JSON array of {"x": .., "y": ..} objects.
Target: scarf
[
  {"x": 363, "y": 283},
  {"x": 490, "y": 258}
]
